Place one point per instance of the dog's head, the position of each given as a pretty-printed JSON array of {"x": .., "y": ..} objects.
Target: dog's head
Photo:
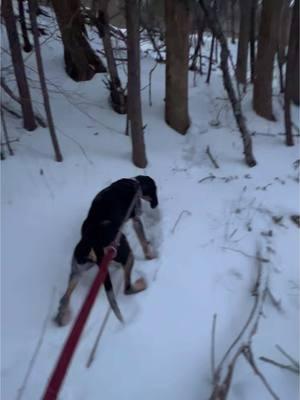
[{"x": 149, "y": 192}]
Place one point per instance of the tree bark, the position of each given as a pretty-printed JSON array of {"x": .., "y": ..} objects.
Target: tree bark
[
  {"x": 244, "y": 37},
  {"x": 32, "y": 12},
  {"x": 253, "y": 38},
  {"x": 177, "y": 64},
  {"x": 267, "y": 44},
  {"x": 215, "y": 26},
  {"x": 132, "y": 11},
  {"x": 293, "y": 55},
  {"x": 27, "y": 47},
  {"x": 232, "y": 20},
  {"x": 283, "y": 38},
  {"x": 18, "y": 64},
  {"x": 117, "y": 93},
  {"x": 81, "y": 61}
]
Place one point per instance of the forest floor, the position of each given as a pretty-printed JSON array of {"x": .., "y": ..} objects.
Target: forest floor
[{"x": 211, "y": 223}]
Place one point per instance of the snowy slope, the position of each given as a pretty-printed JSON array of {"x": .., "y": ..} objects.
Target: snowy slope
[{"x": 163, "y": 351}]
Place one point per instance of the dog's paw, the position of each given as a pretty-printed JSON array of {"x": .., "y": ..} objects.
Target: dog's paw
[
  {"x": 63, "y": 317},
  {"x": 138, "y": 286},
  {"x": 150, "y": 253}
]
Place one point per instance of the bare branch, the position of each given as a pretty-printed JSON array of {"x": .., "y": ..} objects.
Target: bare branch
[
  {"x": 248, "y": 354},
  {"x": 214, "y": 162},
  {"x": 283, "y": 366},
  {"x": 262, "y": 259},
  {"x": 178, "y": 219},
  {"x": 285, "y": 354}
]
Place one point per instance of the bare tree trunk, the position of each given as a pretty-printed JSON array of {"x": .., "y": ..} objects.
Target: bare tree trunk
[
  {"x": 27, "y": 47},
  {"x": 117, "y": 93},
  {"x": 253, "y": 38},
  {"x": 293, "y": 54},
  {"x": 32, "y": 12},
  {"x": 244, "y": 36},
  {"x": 81, "y": 61},
  {"x": 212, "y": 45},
  {"x": 18, "y": 64},
  {"x": 216, "y": 29},
  {"x": 267, "y": 44},
  {"x": 132, "y": 11},
  {"x": 5, "y": 132},
  {"x": 232, "y": 20},
  {"x": 283, "y": 37},
  {"x": 197, "y": 51},
  {"x": 177, "y": 64}
]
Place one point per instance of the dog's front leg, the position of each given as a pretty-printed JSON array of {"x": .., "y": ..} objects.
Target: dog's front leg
[
  {"x": 140, "y": 232},
  {"x": 139, "y": 285}
]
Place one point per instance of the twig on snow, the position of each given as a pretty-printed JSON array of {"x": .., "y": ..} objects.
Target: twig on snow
[
  {"x": 222, "y": 385},
  {"x": 248, "y": 354},
  {"x": 210, "y": 177},
  {"x": 214, "y": 162},
  {"x": 257, "y": 257},
  {"x": 213, "y": 345},
  {"x": 101, "y": 330},
  {"x": 290, "y": 358},
  {"x": 276, "y": 303},
  {"x": 22, "y": 388},
  {"x": 178, "y": 219},
  {"x": 283, "y": 366}
]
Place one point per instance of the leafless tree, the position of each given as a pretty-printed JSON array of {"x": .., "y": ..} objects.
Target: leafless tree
[
  {"x": 293, "y": 55},
  {"x": 18, "y": 64},
  {"x": 32, "y": 12},
  {"x": 27, "y": 47},
  {"x": 117, "y": 93},
  {"x": 253, "y": 19},
  {"x": 215, "y": 26},
  {"x": 177, "y": 64},
  {"x": 243, "y": 45},
  {"x": 132, "y": 11},
  {"x": 267, "y": 45},
  {"x": 283, "y": 37},
  {"x": 81, "y": 61},
  {"x": 232, "y": 20}
]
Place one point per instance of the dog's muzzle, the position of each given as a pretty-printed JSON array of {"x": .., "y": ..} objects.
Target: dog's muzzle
[{"x": 154, "y": 202}]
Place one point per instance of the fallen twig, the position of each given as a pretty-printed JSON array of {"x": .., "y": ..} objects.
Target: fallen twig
[
  {"x": 214, "y": 162},
  {"x": 213, "y": 335},
  {"x": 276, "y": 303},
  {"x": 221, "y": 385},
  {"x": 290, "y": 358},
  {"x": 248, "y": 354},
  {"x": 283, "y": 366},
  {"x": 211, "y": 177},
  {"x": 178, "y": 219},
  {"x": 22, "y": 388},
  {"x": 262, "y": 259},
  {"x": 101, "y": 330}
]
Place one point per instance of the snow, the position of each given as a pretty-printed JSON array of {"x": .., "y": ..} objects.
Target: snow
[{"x": 163, "y": 350}]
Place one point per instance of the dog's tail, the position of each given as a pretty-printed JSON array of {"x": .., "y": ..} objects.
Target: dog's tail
[{"x": 112, "y": 298}]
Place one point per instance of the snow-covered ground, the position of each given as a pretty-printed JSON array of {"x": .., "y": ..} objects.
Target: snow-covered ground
[{"x": 205, "y": 233}]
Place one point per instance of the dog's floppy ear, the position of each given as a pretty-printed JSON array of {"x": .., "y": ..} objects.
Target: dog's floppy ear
[{"x": 149, "y": 190}]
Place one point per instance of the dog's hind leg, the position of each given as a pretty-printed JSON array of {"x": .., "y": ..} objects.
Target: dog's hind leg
[{"x": 64, "y": 313}]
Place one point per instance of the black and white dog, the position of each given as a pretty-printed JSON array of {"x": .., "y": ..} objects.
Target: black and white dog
[{"x": 105, "y": 217}]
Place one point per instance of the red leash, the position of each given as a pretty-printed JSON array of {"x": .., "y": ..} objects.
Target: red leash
[{"x": 66, "y": 355}]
